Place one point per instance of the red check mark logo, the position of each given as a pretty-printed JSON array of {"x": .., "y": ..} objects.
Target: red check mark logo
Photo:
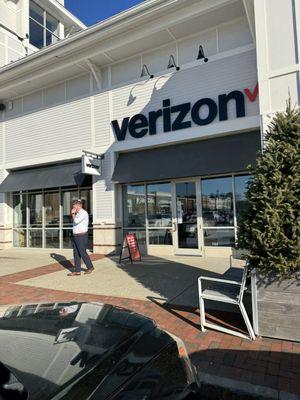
[{"x": 251, "y": 95}]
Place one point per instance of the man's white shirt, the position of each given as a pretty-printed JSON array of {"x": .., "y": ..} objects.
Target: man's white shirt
[{"x": 81, "y": 222}]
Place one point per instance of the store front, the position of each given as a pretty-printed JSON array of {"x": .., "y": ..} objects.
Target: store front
[
  {"x": 187, "y": 198},
  {"x": 186, "y": 215},
  {"x": 41, "y": 216},
  {"x": 41, "y": 219}
]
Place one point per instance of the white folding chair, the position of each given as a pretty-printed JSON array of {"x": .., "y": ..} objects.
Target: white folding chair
[{"x": 224, "y": 291}]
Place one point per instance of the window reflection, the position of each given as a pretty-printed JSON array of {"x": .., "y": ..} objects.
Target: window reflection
[
  {"x": 241, "y": 202},
  {"x": 35, "y": 202},
  {"x": 160, "y": 236},
  {"x": 43, "y": 27},
  {"x": 86, "y": 197},
  {"x": 37, "y": 218},
  {"x": 52, "y": 209},
  {"x": 159, "y": 205},
  {"x": 52, "y": 238},
  {"x": 186, "y": 210},
  {"x": 217, "y": 202},
  {"x": 219, "y": 237},
  {"x": 134, "y": 205},
  {"x": 19, "y": 237},
  {"x": 67, "y": 204},
  {"x": 35, "y": 238},
  {"x": 36, "y": 12},
  {"x": 19, "y": 214}
]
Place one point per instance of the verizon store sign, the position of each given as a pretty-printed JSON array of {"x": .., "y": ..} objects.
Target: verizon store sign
[{"x": 91, "y": 165}]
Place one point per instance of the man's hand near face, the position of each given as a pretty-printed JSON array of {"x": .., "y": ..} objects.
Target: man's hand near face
[{"x": 73, "y": 212}]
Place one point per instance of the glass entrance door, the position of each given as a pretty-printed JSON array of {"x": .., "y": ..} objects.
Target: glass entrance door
[{"x": 186, "y": 218}]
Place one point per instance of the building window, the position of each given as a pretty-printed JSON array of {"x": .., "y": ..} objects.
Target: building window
[
  {"x": 148, "y": 210},
  {"x": 134, "y": 206},
  {"x": 223, "y": 203},
  {"x": 43, "y": 27},
  {"x": 42, "y": 219},
  {"x": 241, "y": 203},
  {"x": 159, "y": 213}
]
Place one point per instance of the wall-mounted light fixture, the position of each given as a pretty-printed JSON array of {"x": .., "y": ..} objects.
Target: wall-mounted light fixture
[
  {"x": 145, "y": 72},
  {"x": 172, "y": 63},
  {"x": 201, "y": 55}
]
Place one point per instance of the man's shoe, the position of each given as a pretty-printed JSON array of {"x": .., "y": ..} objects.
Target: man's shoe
[
  {"x": 74, "y": 274},
  {"x": 89, "y": 271}
]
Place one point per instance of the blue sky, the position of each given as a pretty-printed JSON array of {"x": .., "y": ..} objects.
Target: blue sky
[{"x": 92, "y": 11}]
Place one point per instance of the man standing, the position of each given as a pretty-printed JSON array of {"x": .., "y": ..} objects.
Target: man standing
[{"x": 80, "y": 238}]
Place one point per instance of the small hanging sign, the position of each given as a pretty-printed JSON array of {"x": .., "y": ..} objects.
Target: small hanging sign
[{"x": 91, "y": 163}]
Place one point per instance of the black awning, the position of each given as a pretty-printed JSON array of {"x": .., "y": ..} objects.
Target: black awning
[
  {"x": 220, "y": 155},
  {"x": 43, "y": 178}
]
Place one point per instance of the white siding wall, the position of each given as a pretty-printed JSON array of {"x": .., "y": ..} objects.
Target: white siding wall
[
  {"x": 221, "y": 38},
  {"x": 11, "y": 49},
  {"x": 103, "y": 193},
  {"x": 102, "y": 120},
  {"x": 1, "y": 142},
  {"x": 8, "y": 14},
  {"x": 56, "y": 123},
  {"x": 12, "y": 17},
  {"x": 56, "y": 130},
  {"x": 278, "y": 47},
  {"x": 205, "y": 80},
  {"x": 3, "y": 206}
]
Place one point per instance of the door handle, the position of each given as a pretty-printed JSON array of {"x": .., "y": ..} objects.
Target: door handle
[{"x": 174, "y": 226}]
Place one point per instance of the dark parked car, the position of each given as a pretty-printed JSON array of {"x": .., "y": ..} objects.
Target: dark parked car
[{"x": 77, "y": 351}]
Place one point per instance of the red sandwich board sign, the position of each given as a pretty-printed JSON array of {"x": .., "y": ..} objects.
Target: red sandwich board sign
[{"x": 131, "y": 244}]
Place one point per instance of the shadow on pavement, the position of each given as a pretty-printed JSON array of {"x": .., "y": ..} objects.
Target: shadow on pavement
[
  {"x": 176, "y": 282},
  {"x": 226, "y": 319},
  {"x": 63, "y": 261}
]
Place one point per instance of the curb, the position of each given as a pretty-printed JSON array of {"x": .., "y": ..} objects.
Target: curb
[{"x": 216, "y": 387}]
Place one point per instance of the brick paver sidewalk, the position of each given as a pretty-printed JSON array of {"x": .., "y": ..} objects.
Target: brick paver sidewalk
[{"x": 269, "y": 363}]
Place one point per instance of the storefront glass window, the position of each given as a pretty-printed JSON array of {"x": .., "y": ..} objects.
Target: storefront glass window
[
  {"x": 217, "y": 202},
  {"x": 67, "y": 238},
  {"x": 52, "y": 238},
  {"x": 160, "y": 236},
  {"x": 241, "y": 203},
  {"x": 186, "y": 213},
  {"x": 20, "y": 237},
  {"x": 134, "y": 206},
  {"x": 86, "y": 197},
  {"x": 19, "y": 214},
  {"x": 67, "y": 202},
  {"x": 52, "y": 209},
  {"x": 35, "y": 238},
  {"x": 219, "y": 237},
  {"x": 43, "y": 219},
  {"x": 159, "y": 205},
  {"x": 35, "y": 203}
]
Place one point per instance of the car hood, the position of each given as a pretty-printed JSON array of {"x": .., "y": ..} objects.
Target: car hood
[{"x": 66, "y": 350}]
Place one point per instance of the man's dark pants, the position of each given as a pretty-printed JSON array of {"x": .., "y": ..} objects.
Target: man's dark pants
[{"x": 80, "y": 242}]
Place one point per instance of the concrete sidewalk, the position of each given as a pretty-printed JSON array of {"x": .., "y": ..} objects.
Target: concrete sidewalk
[{"x": 173, "y": 280}]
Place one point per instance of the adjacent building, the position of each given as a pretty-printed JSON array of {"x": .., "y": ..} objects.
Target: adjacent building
[{"x": 173, "y": 95}]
